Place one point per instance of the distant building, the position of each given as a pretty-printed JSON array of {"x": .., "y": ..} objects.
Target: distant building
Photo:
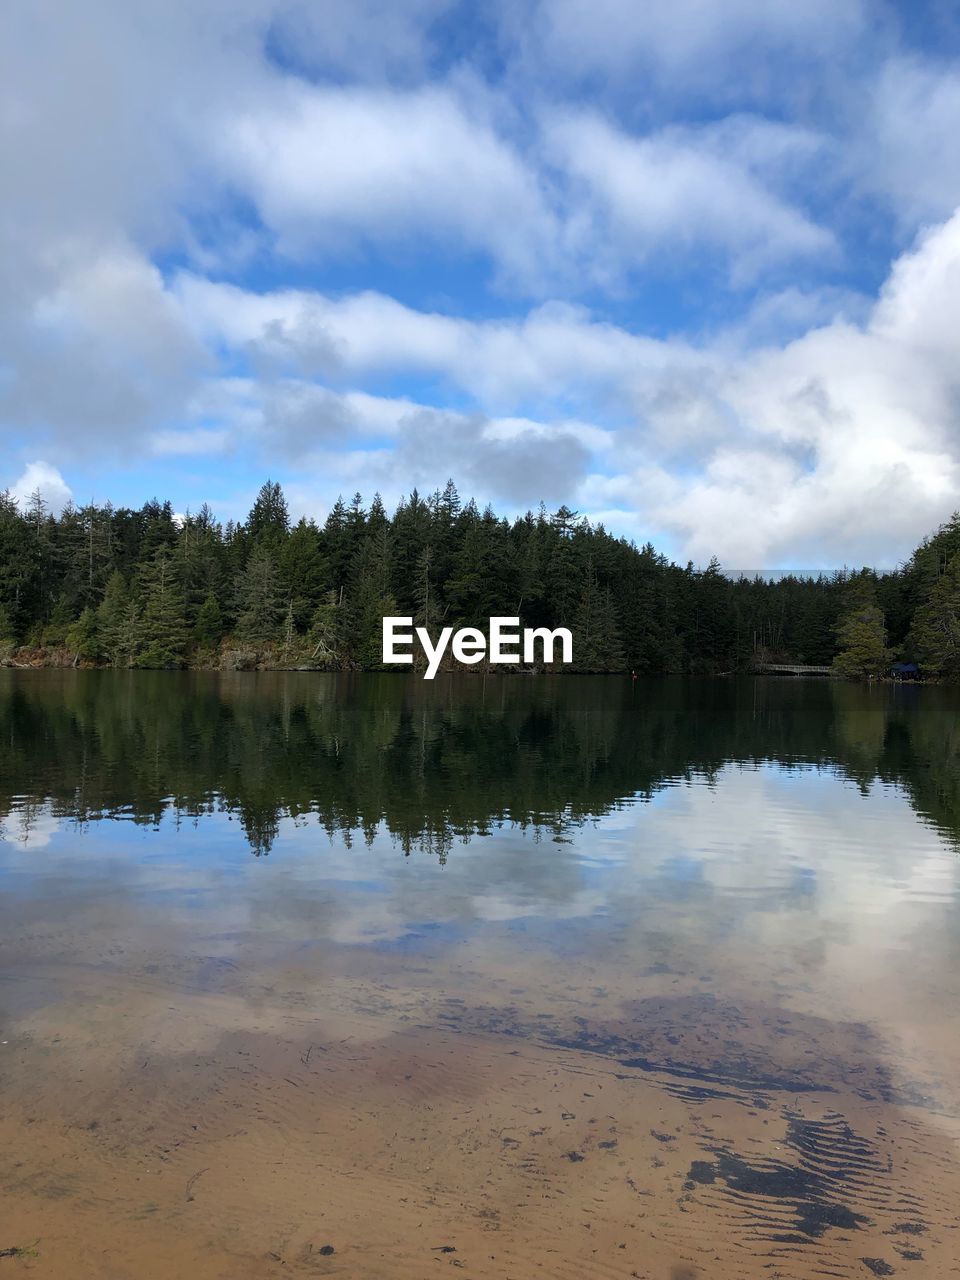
[{"x": 905, "y": 671}]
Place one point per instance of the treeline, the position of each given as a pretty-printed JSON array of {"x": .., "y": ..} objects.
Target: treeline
[{"x": 99, "y": 585}]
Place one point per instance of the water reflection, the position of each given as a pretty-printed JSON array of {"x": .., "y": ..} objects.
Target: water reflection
[
  {"x": 669, "y": 989},
  {"x": 435, "y": 764}
]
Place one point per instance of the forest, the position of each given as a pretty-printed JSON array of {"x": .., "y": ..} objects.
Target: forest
[{"x": 99, "y": 585}]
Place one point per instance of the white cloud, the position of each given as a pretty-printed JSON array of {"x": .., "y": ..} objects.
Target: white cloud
[
  {"x": 101, "y": 351},
  {"x": 841, "y": 444},
  {"x": 341, "y": 441},
  {"x": 610, "y": 147},
  {"x": 189, "y": 444},
  {"x": 342, "y": 168},
  {"x": 909, "y": 155},
  {"x": 371, "y": 39},
  {"x": 688, "y": 191},
  {"x": 42, "y": 477},
  {"x": 707, "y": 42},
  {"x": 553, "y": 353},
  {"x": 844, "y": 444}
]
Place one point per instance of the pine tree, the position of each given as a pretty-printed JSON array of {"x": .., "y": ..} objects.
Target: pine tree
[
  {"x": 447, "y": 563},
  {"x": 450, "y": 503},
  {"x": 337, "y": 545},
  {"x": 425, "y": 592},
  {"x": 596, "y": 635},
  {"x": 411, "y": 533},
  {"x": 935, "y": 634},
  {"x": 377, "y": 520},
  {"x": 303, "y": 576},
  {"x": 564, "y": 521},
  {"x": 258, "y": 602},
  {"x": 61, "y": 617},
  {"x": 561, "y": 579},
  {"x": 41, "y": 565},
  {"x": 117, "y": 621},
  {"x": 711, "y": 645},
  {"x": 162, "y": 631},
  {"x": 14, "y": 563},
  {"x": 324, "y": 633},
  {"x": 369, "y": 602},
  {"x": 862, "y": 637},
  {"x": 208, "y": 626},
  {"x": 159, "y": 528},
  {"x": 82, "y": 635},
  {"x": 201, "y": 560},
  {"x": 269, "y": 521},
  {"x": 289, "y": 632}
]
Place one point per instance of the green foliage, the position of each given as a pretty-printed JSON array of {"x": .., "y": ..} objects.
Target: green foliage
[
  {"x": 117, "y": 619},
  {"x": 6, "y": 625},
  {"x": 82, "y": 635},
  {"x": 269, "y": 521},
  {"x": 258, "y": 602},
  {"x": 596, "y": 635},
  {"x": 862, "y": 636},
  {"x": 57, "y": 630},
  {"x": 302, "y": 572},
  {"x": 323, "y": 638},
  {"x": 170, "y": 590},
  {"x": 208, "y": 625},
  {"x": 935, "y": 633},
  {"x": 161, "y": 637},
  {"x": 370, "y": 601}
]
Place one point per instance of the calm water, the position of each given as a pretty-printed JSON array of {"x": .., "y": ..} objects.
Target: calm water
[{"x": 364, "y": 976}]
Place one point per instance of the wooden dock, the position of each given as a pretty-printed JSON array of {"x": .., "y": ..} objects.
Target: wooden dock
[{"x": 792, "y": 669}]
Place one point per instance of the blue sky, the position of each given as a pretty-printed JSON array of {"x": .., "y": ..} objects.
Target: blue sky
[{"x": 691, "y": 268}]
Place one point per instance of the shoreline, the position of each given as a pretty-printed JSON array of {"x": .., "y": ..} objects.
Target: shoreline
[{"x": 26, "y": 658}]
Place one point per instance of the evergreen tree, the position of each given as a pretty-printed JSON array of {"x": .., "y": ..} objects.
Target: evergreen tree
[
  {"x": 369, "y": 602},
  {"x": 377, "y": 520},
  {"x": 61, "y": 617},
  {"x": 426, "y": 594},
  {"x": 862, "y": 637},
  {"x": 596, "y": 635},
  {"x": 82, "y": 635},
  {"x": 289, "y": 633},
  {"x": 711, "y": 642},
  {"x": 258, "y": 602},
  {"x": 117, "y": 622},
  {"x": 41, "y": 578},
  {"x": 269, "y": 521},
  {"x": 935, "y": 634},
  {"x": 157, "y": 528},
  {"x": 200, "y": 560},
  {"x": 302, "y": 571},
  {"x": 14, "y": 564},
  {"x": 412, "y": 528},
  {"x": 444, "y": 562},
  {"x": 337, "y": 545},
  {"x": 208, "y": 626},
  {"x": 562, "y": 577},
  {"x": 162, "y": 630},
  {"x": 6, "y": 626},
  {"x": 324, "y": 634}
]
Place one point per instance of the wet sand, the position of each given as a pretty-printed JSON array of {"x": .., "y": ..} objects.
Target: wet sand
[{"x": 172, "y": 1109}]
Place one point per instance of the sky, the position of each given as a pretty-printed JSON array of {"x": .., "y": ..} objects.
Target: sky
[{"x": 692, "y": 269}]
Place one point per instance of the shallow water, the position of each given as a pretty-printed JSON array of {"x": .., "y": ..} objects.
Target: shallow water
[{"x": 367, "y": 977}]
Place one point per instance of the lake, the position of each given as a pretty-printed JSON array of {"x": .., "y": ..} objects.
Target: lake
[{"x": 365, "y": 976}]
